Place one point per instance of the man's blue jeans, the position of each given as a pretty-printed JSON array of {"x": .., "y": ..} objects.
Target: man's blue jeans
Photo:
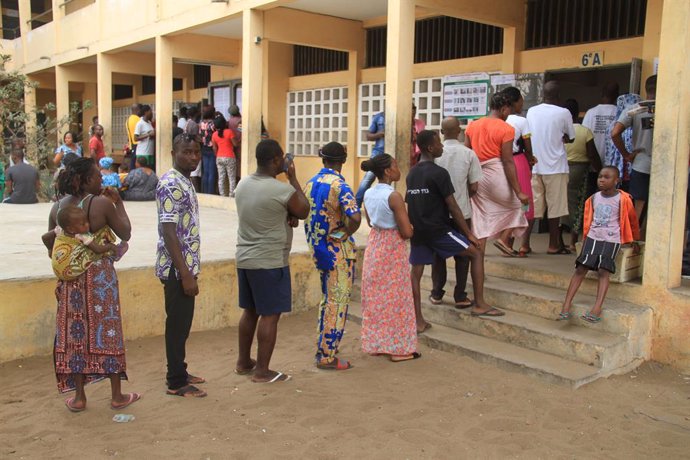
[{"x": 368, "y": 179}]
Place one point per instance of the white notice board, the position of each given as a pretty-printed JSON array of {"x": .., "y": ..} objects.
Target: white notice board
[{"x": 466, "y": 96}]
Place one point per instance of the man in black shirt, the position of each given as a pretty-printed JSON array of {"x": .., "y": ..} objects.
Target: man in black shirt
[{"x": 432, "y": 209}]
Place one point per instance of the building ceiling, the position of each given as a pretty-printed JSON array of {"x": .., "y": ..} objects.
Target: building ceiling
[{"x": 358, "y": 10}]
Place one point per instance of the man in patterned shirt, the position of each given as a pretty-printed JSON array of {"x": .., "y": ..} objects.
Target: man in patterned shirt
[
  {"x": 177, "y": 260},
  {"x": 333, "y": 217}
]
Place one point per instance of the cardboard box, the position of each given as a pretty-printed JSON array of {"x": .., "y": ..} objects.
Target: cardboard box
[{"x": 628, "y": 265}]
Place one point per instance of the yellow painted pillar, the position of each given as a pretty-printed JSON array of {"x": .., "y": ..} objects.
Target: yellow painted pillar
[
  {"x": 513, "y": 43},
  {"x": 164, "y": 103},
  {"x": 58, "y": 13},
  {"x": 252, "y": 87},
  {"x": 30, "y": 109},
  {"x": 399, "y": 60},
  {"x": 353, "y": 80},
  {"x": 24, "y": 24},
  {"x": 652, "y": 34},
  {"x": 104, "y": 97},
  {"x": 669, "y": 175},
  {"x": 62, "y": 109}
]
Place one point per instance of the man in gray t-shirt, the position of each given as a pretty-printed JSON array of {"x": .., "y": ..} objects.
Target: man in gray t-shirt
[
  {"x": 267, "y": 210},
  {"x": 642, "y": 121},
  {"x": 22, "y": 181}
]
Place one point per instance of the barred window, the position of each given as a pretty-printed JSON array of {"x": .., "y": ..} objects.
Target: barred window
[
  {"x": 307, "y": 60},
  {"x": 440, "y": 38},
  {"x": 568, "y": 22}
]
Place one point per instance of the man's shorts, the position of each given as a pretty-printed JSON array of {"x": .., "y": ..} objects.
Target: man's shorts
[
  {"x": 448, "y": 245},
  {"x": 639, "y": 185},
  {"x": 266, "y": 291},
  {"x": 550, "y": 193}
]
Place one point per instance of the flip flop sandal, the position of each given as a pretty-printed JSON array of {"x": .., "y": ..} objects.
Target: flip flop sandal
[
  {"x": 246, "y": 371},
  {"x": 523, "y": 254},
  {"x": 564, "y": 316},
  {"x": 336, "y": 365},
  {"x": 498, "y": 244},
  {"x": 188, "y": 391},
  {"x": 131, "y": 399},
  {"x": 562, "y": 251},
  {"x": 194, "y": 380},
  {"x": 590, "y": 318},
  {"x": 492, "y": 312},
  {"x": 435, "y": 301},
  {"x": 462, "y": 306},
  {"x": 400, "y": 359},
  {"x": 280, "y": 377},
  {"x": 71, "y": 408}
]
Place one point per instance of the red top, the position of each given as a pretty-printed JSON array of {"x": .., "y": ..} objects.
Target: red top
[
  {"x": 97, "y": 145},
  {"x": 224, "y": 144},
  {"x": 487, "y": 135}
]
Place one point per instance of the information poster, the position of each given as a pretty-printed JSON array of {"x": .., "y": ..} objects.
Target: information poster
[{"x": 466, "y": 96}]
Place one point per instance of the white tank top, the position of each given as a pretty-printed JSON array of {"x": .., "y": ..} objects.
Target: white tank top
[{"x": 376, "y": 204}]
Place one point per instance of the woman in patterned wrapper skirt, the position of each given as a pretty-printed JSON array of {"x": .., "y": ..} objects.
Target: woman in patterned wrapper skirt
[
  {"x": 89, "y": 345},
  {"x": 388, "y": 315}
]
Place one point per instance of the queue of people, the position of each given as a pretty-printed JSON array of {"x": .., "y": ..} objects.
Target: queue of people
[{"x": 509, "y": 170}]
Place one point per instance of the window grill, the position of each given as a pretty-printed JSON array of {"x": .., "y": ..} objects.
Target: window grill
[
  {"x": 568, "y": 22},
  {"x": 202, "y": 76},
  {"x": 307, "y": 60},
  {"x": 440, "y": 38}
]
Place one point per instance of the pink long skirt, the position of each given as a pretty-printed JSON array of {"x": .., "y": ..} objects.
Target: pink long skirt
[
  {"x": 495, "y": 207},
  {"x": 388, "y": 318},
  {"x": 524, "y": 175}
]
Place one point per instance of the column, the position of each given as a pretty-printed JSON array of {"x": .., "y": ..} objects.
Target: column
[
  {"x": 164, "y": 103},
  {"x": 62, "y": 109},
  {"x": 30, "y": 126},
  {"x": 24, "y": 24},
  {"x": 669, "y": 175},
  {"x": 104, "y": 98},
  {"x": 650, "y": 44},
  {"x": 58, "y": 13},
  {"x": 513, "y": 43},
  {"x": 353, "y": 123},
  {"x": 252, "y": 86},
  {"x": 399, "y": 60}
]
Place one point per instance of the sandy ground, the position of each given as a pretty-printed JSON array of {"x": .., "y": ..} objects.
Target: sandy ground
[{"x": 440, "y": 406}]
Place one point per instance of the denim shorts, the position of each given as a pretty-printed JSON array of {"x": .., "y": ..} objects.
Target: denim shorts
[{"x": 266, "y": 291}]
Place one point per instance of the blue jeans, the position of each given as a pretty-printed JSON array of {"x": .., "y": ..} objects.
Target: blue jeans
[
  {"x": 209, "y": 170},
  {"x": 368, "y": 179}
]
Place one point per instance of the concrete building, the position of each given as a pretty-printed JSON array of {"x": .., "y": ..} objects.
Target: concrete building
[{"x": 318, "y": 70}]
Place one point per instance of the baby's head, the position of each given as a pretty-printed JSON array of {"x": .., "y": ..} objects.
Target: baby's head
[
  {"x": 123, "y": 168},
  {"x": 73, "y": 220},
  {"x": 106, "y": 163}
]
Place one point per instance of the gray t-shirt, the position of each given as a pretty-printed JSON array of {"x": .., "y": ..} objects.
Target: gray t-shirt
[
  {"x": 145, "y": 147},
  {"x": 23, "y": 177},
  {"x": 264, "y": 237},
  {"x": 643, "y": 133}
]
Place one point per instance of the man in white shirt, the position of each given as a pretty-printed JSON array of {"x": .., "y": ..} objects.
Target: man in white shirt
[
  {"x": 551, "y": 126},
  {"x": 465, "y": 173},
  {"x": 145, "y": 135},
  {"x": 599, "y": 118}
]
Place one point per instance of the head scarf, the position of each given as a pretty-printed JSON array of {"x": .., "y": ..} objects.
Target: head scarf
[{"x": 105, "y": 162}]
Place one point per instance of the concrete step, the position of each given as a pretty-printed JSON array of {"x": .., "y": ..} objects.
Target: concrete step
[
  {"x": 620, "y": 317},
  {"x": 567, "y": 341},
  {"x": 548, "y": 367}
]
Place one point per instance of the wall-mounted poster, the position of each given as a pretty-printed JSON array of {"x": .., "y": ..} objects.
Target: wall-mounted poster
[{"x": 466, "y": 96}]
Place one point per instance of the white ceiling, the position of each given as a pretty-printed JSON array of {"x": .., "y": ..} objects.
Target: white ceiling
[
  {"x": 358, "y": 10},
  {"x": 148, "y": 46},
  {"x": 232, "y": 28}
]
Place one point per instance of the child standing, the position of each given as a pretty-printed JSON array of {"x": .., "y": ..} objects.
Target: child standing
[
  {"x": 388, "y": 316},
  {"x": 75, "y": 248},
  {"x": 609, "y": 221}
]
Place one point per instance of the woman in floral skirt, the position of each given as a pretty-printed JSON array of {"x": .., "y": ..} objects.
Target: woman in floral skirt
[{"x": 388, "y": 317}]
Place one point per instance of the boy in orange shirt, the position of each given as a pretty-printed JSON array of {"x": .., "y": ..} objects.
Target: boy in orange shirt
[{"x": 609, "y": 222}]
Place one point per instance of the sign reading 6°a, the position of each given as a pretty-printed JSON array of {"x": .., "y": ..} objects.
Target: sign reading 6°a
[{"x": 592, "y": 59}]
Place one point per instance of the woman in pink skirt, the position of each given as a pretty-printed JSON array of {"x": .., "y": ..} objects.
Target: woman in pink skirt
[
  {"x": 523, "y": 158},
  {"x": 388, "y": 316},
  {"x": 496, "y": 207}
]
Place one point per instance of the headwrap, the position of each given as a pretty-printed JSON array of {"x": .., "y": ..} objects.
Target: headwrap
[{"x": 105, "y": 162}]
